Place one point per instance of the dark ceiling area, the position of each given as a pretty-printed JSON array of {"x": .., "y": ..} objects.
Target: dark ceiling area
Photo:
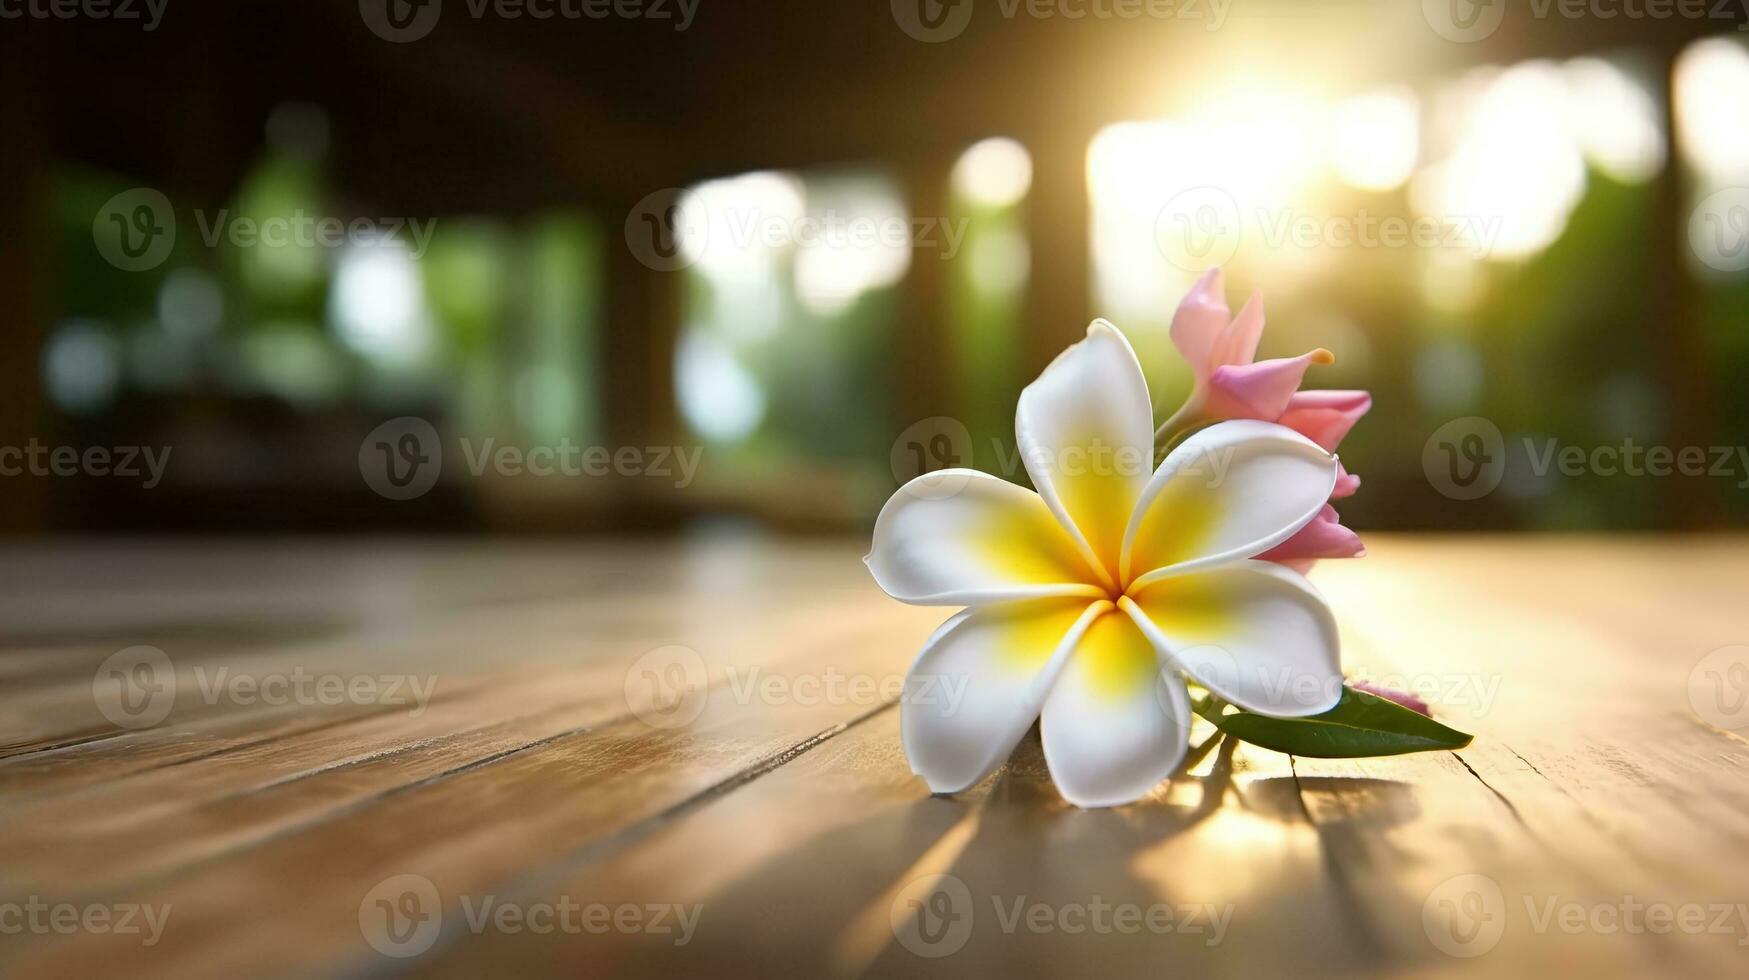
[{"x": 509, "y": 112}]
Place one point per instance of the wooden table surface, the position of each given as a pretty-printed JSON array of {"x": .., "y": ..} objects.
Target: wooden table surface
[{"x": 683, "y": 759}]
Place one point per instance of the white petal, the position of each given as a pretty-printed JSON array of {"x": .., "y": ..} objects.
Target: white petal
[
  {"x": 1253, "y": 632},
  {"x": 978, "y": 684},
  {"x": 1086, "y": 433},
  {"x": 1230, "y": 491},
  {"x": 960, "y": 537},
  {"x": 1116, "y": 725}
]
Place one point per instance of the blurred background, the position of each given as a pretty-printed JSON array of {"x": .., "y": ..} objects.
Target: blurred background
[{"x": 759, "y": 262}]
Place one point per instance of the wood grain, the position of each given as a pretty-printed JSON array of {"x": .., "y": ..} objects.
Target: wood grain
[{"x": 760, "y": 817}]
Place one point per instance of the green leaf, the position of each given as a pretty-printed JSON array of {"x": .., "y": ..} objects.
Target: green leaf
[{"x": 1360, "y": 725}]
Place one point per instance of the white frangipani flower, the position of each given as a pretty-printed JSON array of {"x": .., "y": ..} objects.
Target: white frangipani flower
[{"x": 1090, "y": 598}]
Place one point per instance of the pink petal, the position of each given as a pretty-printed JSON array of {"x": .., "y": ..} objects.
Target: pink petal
[
  {"x": 1346, "y": 483},
  {"x": 1237, "y": 344},
  {"x": 1324, "y": 537},
  {"x": 1201, "y": 317},
  {"x": 1409, "y": 701},
  {"x": 1325, "y": 416},
  {"x": 1260, "y": 390}
]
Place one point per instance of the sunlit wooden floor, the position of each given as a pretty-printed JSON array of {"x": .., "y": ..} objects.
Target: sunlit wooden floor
[{"x": 506, "y": 752}]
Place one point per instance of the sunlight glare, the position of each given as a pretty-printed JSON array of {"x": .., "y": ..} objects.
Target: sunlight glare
[
  {"x": 378, "y": 305},
  {"x": 1712, "y": 109},
  {"x": 858, "y": 239},
  {"x": 719, "y": 398},
  {"x": 1375, "y": 139},
  {"x": 993, "y": 173},
  {"x": 1615, "y": 120},
  {"x": 1515, "y": 166},
  {"x": 724, "y": 223}
]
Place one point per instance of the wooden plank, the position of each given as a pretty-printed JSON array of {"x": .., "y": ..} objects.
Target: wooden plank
[
  {"x": 1585, "y": 741},
  {"x": 564, "y": 794},
  {"x": 226, "y": 800},
  {"x": 595, "y": 614},
  {"x": 796, "y": 834},
  {"x": 1391, "y": 838}
]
